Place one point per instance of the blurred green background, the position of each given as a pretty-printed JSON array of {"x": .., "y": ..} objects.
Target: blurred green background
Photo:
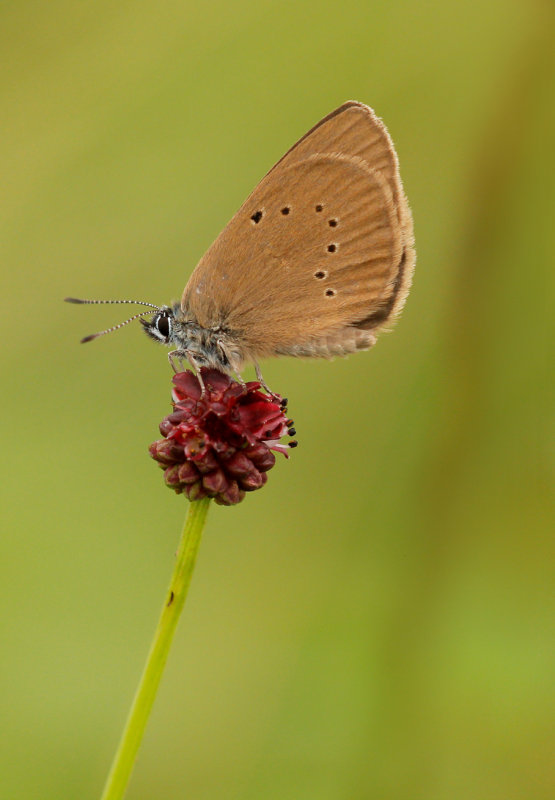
[{"x": 374, "y": 624}]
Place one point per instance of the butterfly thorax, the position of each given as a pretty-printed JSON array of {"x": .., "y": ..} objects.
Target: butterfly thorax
[{"x": 202, "y": 347}]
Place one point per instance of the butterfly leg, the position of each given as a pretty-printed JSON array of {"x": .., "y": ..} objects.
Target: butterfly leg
[
  {"x": 226, "y": 362},
  {"x": 172, "y": 355},
  {"x": 194, "y": 363},
  {"x": 240, "y": 379},
  {"x": 261, "y": 379}
]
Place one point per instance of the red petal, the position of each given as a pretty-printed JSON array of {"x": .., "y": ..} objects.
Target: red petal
[
  {"x": 171, "y": 477},
  {"x": 206, "y": 462},
  {"x": 231, "y": 495},
  {"x": 188, "y": 473},
  {"x": 238, "y": 465},
  {"x": 255, "y": 416},
  {"x": 262, "y": 457},
  {"x": 195, "y": 491},
  {"x": 215, "y": 482},
  {"x": 214, "y": 380},
  {"x": 187, "y": 385},
  {"x": 252, "y": 481}
]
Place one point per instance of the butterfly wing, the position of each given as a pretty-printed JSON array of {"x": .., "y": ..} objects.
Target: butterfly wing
[
  {"x": 315, "y": 261},
  {"x": 353, "y": 129}
]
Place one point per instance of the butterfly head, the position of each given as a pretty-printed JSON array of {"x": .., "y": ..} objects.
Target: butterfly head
[
  {"x": 162, "y": 325},
  {"x": 174, "y": 327},
  {"x": 169, "y": 327}
]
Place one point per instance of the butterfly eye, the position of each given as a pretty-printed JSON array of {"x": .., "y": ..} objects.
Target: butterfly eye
[{"x": 162, "y": 323}]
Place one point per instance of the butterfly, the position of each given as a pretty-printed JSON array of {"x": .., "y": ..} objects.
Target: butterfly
[{"x": 316, "y": 262}]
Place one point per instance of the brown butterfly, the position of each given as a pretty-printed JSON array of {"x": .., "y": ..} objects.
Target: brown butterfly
[{"x": 317, "y": 260}]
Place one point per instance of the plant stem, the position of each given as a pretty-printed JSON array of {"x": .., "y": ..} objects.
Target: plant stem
[{"x": 124, "y": 759}]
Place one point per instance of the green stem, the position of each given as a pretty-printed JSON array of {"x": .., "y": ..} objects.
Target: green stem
[{"x": 159, "y": 649}]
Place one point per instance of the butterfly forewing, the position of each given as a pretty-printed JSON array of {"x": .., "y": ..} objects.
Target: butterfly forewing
[
  {"x": 322, "y": 255},
  {"x": 353, "y": 129},
  {"x": 317, "y": 247}
]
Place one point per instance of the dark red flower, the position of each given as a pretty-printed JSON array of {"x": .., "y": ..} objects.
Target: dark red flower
[{"x": 219, "y": 443}]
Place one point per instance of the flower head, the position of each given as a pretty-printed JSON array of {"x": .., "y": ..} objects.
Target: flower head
[{"x": 218, "y": 442}]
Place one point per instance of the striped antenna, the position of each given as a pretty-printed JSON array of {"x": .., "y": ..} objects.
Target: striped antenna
[
  {"x": 114, "y": 327},
  {"x": 96, "y": 302}
]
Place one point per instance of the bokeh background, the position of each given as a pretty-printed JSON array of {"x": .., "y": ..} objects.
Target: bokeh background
[{"x": 374, "y": 623}]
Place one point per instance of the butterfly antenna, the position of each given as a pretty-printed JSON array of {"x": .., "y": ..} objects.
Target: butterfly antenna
[
  {"x": 96, "y": 302},
  {"x": 115, "y": 327}
]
